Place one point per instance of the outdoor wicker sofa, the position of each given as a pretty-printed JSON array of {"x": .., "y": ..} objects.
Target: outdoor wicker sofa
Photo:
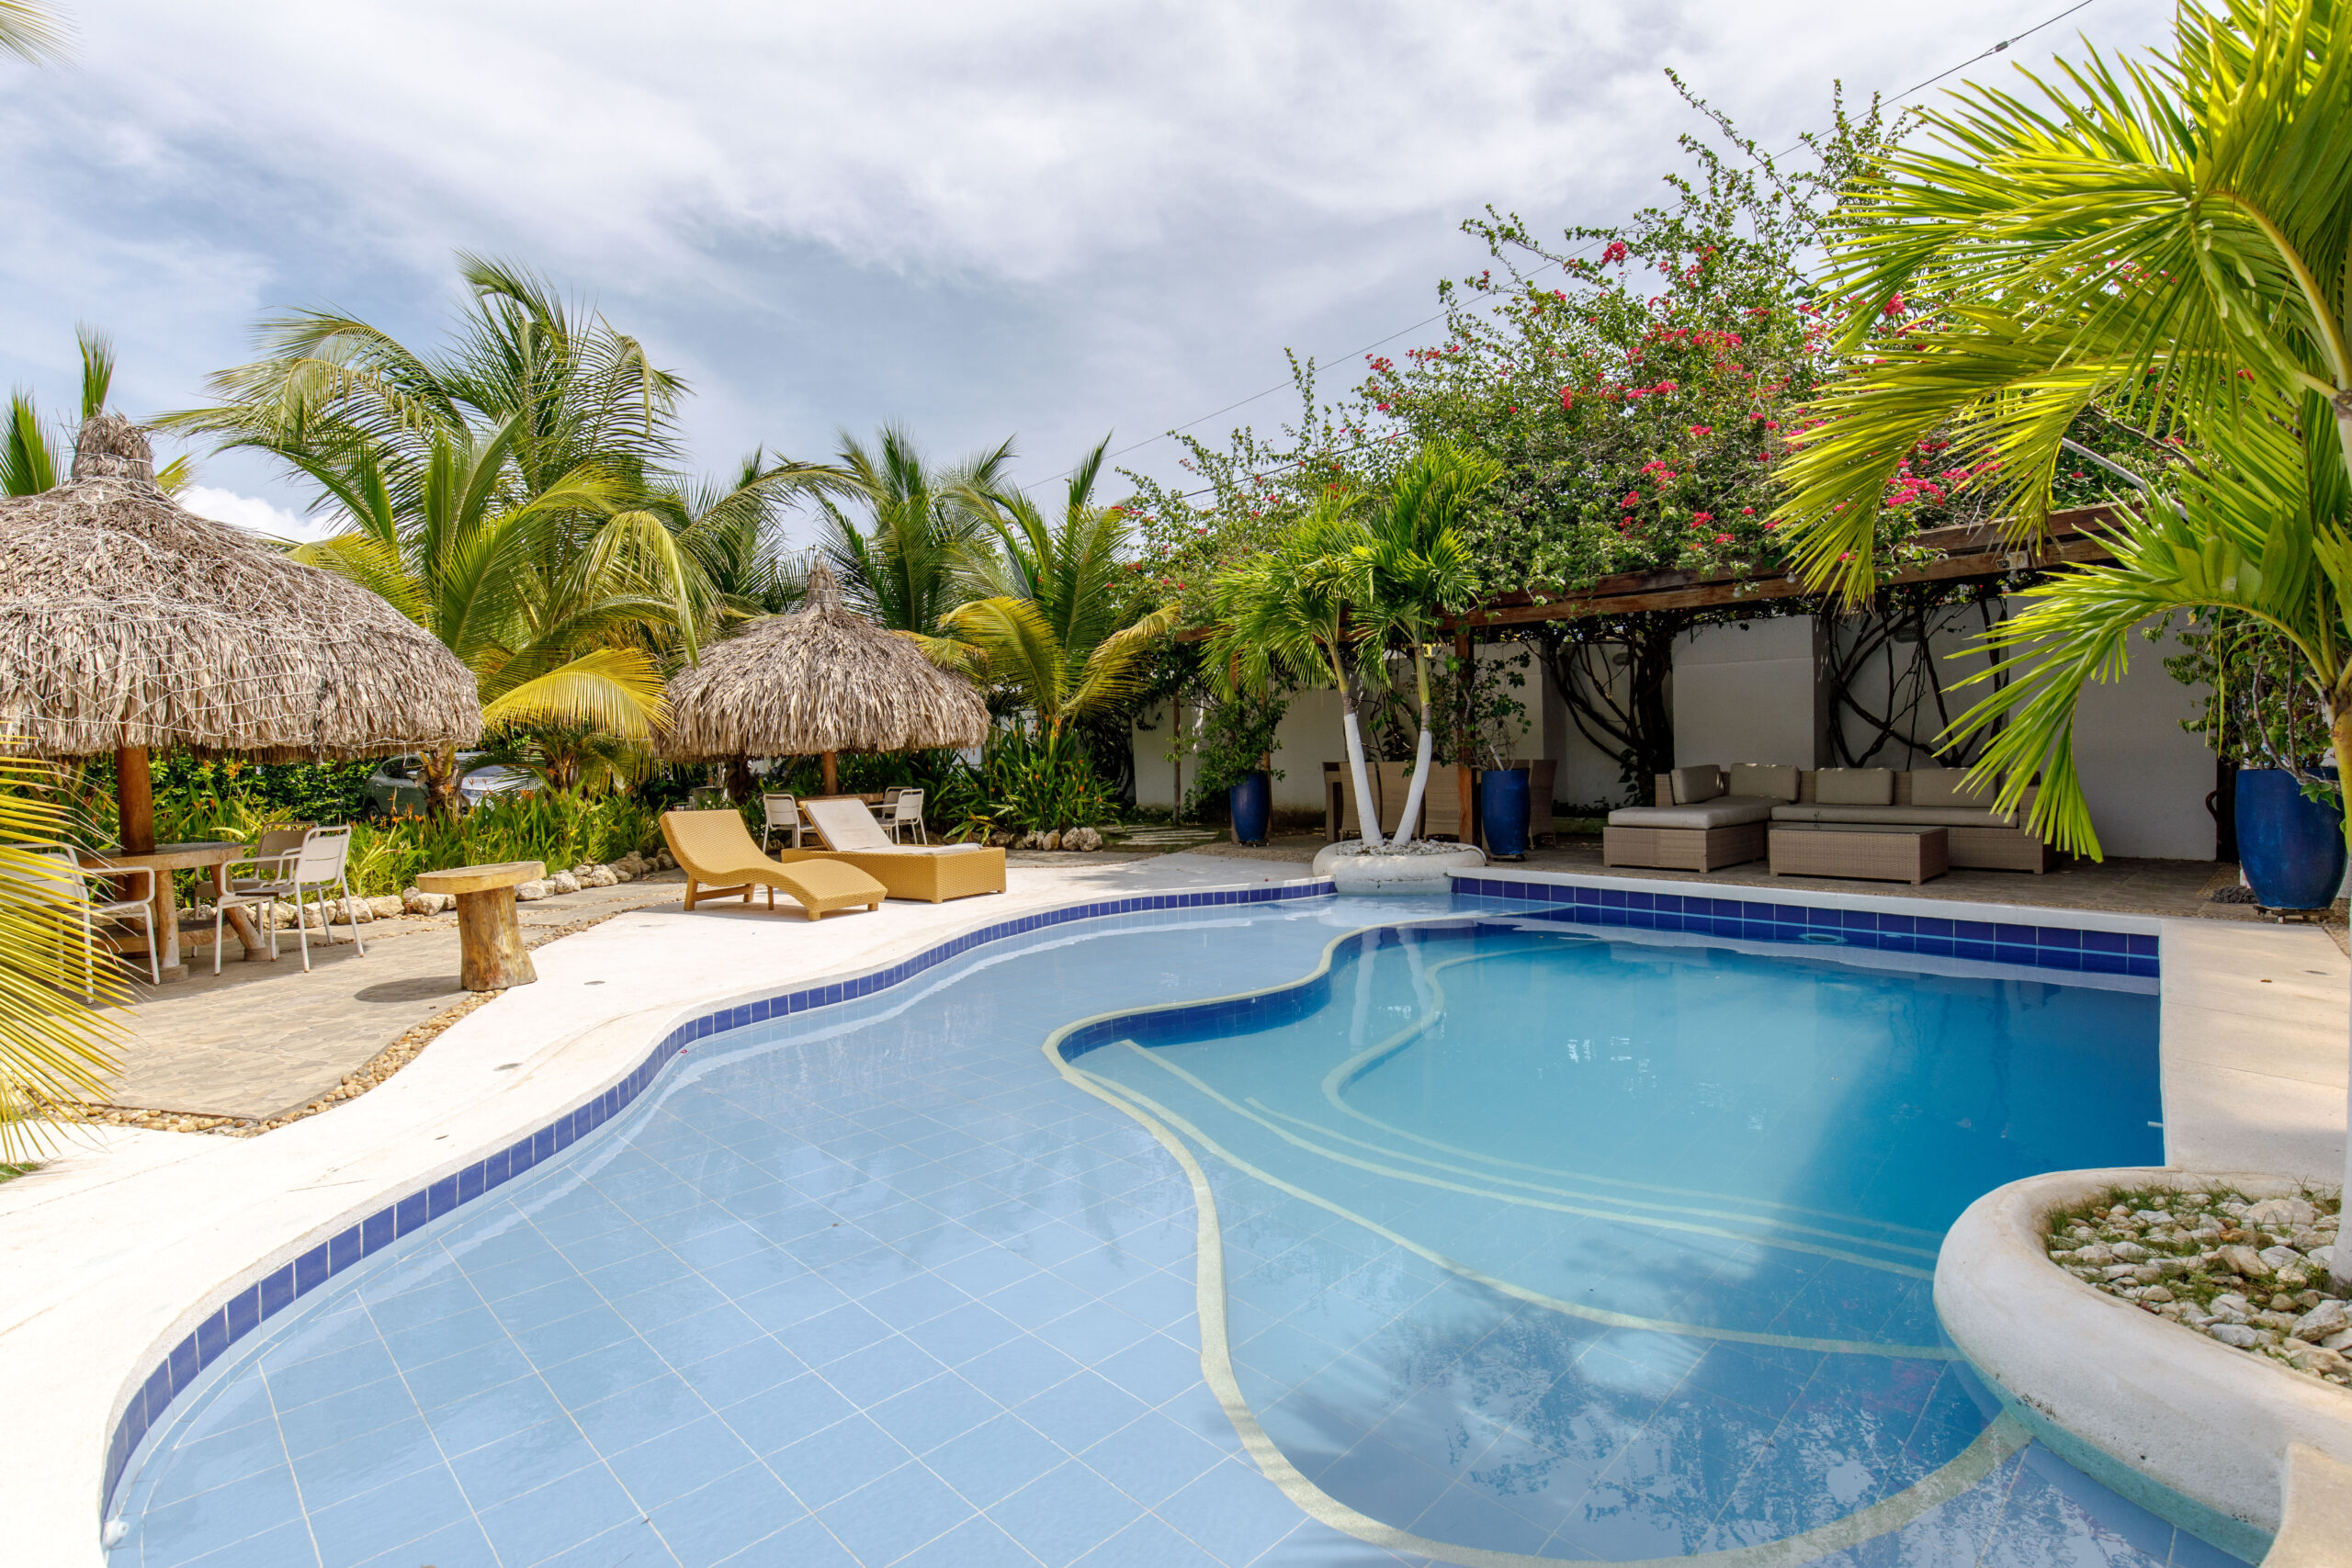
[
  {"x": 931, "y": 873},
  {"x": 1708, "y": 817}
]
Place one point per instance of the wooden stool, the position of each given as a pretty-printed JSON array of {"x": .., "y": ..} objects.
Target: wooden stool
[{"x": 490, "y": 941}]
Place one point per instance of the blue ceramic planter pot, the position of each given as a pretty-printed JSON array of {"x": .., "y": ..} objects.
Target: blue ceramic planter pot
[
  {"x": 1502, "y": 800},
  {"x": 1252, "y": 802},
  {"x": 2292, "y": 849}
]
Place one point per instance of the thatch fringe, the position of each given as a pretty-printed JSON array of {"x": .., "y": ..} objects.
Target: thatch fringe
[
  {"x": 818, "y": 679},
  {"x": 126, "y": 620}
]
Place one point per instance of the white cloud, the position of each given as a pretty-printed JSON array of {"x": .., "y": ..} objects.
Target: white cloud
[
  {"x": 256, "y": 515},
  {"x": 1049, "y": 216}
]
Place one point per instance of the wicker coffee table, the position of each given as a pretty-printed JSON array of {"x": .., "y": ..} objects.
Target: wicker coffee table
[{"x": 1853, "y": 848}]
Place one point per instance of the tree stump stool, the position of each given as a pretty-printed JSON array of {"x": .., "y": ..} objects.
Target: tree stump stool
[{"x": 489, "y": 940}]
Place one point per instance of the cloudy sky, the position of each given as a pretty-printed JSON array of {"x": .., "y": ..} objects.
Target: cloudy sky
[{"x": 1042, "y": 218}]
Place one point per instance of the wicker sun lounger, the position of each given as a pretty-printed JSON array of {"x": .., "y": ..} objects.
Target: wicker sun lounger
[
  {"x": 931, "y": 873},
  {"x": 716, "y": 851}
]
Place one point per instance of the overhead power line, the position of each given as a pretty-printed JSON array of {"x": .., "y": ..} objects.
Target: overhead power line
[{"x": 1999, "y": 48}]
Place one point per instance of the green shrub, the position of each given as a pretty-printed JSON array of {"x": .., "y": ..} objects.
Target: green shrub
[{"x": 1034, "y": 784}]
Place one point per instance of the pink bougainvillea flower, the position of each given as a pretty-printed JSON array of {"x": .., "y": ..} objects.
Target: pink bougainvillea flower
[
  {"x": 1895, "y": 307},
  {"x": 1747, "y": 512},
  {"x": 1722, "y": 539},
  {"x": 1702, "y": 429},
  {"x": 1702, "y": 517}
]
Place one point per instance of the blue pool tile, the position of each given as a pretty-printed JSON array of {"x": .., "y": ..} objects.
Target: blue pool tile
[
  {"x": 2010, "y": 952},
  {"x": 1065, "y": 1514},
  {"x": 559, "y": 1514}
]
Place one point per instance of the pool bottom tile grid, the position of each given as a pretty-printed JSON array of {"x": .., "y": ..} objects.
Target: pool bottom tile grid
[{"x": 885, "y": 1288}]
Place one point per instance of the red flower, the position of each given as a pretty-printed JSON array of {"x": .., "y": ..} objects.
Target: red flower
[
  {"x": 1632, "y": 497},
  {"x": 1702, "y": 517},
  {"x": 1722, "y": 539},
  {"x": 1895, "y": 307},
  {"x": 1615, "y": 252},
  {"x": 1750, "y": 511},
  {"x": 1702, "y": 429}
]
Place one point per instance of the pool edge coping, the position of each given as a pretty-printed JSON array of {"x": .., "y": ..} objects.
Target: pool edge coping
[{"x": 2207, "y": 1421}]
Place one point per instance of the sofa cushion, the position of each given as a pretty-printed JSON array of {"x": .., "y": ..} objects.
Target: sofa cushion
[
  {"x": 1893, "y": 816},
  {"x": 1854, "y": 787},
  {"x": 1760, "y": 781},
  {"x": 1947, "y": 786},
  {"x": 1693, "y": 784},
  {"x": 1722, "y": 811}
]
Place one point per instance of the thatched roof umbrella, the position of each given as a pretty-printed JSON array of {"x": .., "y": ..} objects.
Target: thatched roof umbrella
[
  {"x": 818, "y": 679},
  {"x": 130, "y": 625}
]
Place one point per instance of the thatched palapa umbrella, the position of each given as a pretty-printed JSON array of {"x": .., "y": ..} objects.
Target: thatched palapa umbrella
[
  {"x": 818, "y": 679},
  {"x": 130, "y": 625}
]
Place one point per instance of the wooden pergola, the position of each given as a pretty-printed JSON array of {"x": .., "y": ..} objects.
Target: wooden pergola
[{"x": 1969, "y": 552}]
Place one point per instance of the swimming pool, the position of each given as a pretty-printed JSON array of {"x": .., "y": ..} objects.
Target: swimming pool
[{"x": 1529, "y": 1239}]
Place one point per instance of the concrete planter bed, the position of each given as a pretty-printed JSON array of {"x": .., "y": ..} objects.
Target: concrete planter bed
[
  {"x": 1416, "y": 865},
  {"x": 2137, "y": 1389}
]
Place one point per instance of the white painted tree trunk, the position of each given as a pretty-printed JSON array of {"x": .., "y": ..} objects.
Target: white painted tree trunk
[
  {"x": 1405, "y": 824},
  {"x": 1367, "y": 809}
]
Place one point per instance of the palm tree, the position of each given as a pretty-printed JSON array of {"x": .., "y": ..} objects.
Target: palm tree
[
  {"x": 33, "y": 457},
  {"x": 53, "y": 1049},
  {"x": 900, "y": 567},
  {"x": 1417, "y": 566},
  {"x": 33, "y": 33},
  {"x": 512, "y": 493},
  {"x": 1297, "y": 613},
  {"x": 2144, "y": 244},
  {"x": 544, "y": 629},
  {"x": 2171, "y": 247},
  {"x": 1051, "y": 616}
]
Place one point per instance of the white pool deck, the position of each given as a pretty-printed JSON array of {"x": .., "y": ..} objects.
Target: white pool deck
[{"x": 113, "y": 1250}]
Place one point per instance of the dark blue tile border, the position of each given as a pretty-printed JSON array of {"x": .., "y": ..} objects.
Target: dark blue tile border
[
  {"x": 266, "y": 1297},
  {"x": 2066, "y": 948}
]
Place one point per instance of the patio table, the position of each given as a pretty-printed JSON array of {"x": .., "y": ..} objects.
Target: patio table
[
  {"x": 489, "y": 940},
  {"x": 163, "y": 860}
]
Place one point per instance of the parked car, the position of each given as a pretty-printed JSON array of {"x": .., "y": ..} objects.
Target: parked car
[{"x": 395, "y": 788}]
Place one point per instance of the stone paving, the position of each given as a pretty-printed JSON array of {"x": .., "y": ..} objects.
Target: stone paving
[{"x": 263, "y": 1037}]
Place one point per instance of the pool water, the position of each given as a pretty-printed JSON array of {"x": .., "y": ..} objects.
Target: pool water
[
  {"x": 1545, "y": 1244},
  {"x": 1523, "y": 1241}
]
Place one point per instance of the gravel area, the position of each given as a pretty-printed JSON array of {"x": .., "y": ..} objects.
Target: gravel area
[{"x": 2252, "y": 1273}]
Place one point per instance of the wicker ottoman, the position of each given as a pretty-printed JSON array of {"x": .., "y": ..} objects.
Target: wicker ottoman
[{"x": 1876, "y": 854}]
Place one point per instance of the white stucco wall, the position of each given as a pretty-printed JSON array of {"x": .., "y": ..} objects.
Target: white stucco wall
[
  {"x": 1310, "y": 735},
  {"x": 2145, "y": 777},
  {"x": 1747, "y": 692}
]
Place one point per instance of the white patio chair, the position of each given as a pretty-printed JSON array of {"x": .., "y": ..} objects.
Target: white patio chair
[
  {"x": 61, "y": 876},
  {"x": 906, "y": 811},
  {"x": 319, "y": 861},
  {"x": 781, "y": 811},
  {"x": 275, "y": 852}
]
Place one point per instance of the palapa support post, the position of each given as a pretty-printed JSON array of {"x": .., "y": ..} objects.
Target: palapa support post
[
  {"x": 489, "y": 940},
  {"x": 832, "y": 787},
  {"x": 134, "y": 794}
]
